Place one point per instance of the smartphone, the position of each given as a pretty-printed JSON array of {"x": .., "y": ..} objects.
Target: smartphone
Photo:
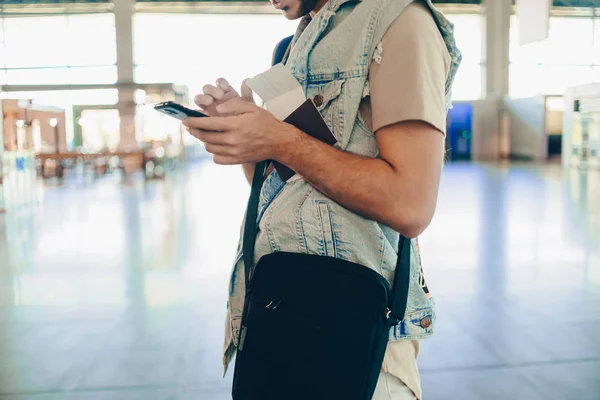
[{"x": 177, "y": 110}]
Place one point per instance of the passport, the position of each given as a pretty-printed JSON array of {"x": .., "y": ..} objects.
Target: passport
[
  {"x": 284, "y": 98},
  {"x": 308, "y": 119}
]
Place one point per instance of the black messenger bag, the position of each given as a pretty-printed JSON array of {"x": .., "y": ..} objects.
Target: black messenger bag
[{"x": 313, "y": 327}]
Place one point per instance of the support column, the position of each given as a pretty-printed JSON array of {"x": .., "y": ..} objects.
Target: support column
[
  {"x": 124, "y": 11},
  {"x": 497, "y": 41},
  {"x": 127, "y": 110}
]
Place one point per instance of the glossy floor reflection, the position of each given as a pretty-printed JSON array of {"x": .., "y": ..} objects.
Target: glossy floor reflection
[{"x": 118, "y": 291}]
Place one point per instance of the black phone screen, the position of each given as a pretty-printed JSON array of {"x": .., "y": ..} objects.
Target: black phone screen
[{"x": 178, "y": 111}]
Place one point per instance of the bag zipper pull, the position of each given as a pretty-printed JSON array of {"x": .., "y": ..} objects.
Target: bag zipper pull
[
  {"x": 391, "y": 321},
  {"x": 273, "y": 304}
]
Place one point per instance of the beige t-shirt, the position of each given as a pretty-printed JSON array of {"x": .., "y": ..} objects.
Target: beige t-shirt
[
  {"x": 408, "y": 78},
  {"x": 407, "y": 82}
]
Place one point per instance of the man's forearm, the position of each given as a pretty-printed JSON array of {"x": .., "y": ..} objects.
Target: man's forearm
[{"x": 367, "y": 186}]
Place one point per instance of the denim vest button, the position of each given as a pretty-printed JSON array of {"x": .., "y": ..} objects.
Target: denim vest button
[
  {"x": 318, "y": 100},
  {"x": 426, "y": 322}
]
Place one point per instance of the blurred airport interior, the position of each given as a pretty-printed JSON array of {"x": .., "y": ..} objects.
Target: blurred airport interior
[{"x": 117, "y": 231}]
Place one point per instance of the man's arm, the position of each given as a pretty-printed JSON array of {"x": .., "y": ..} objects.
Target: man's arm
[{"x": 400, "y": 189}]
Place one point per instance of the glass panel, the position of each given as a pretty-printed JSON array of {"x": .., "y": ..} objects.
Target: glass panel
[
  {"x": 556, "y": 79},
  {"x": 596, "y": 50},
  {"x": 565, "y": 59},
  {"x": 524, "y": 80},
  {"x": 570, "y": 42},
  {"x": 467, "y": 84},
  {"x": 62, "y": 76},
  {"x": 93, "y": 40},
  {"x": 36, "y": 41},
  {"x": 78, "y": 40},
  {"x": 100, "y": 129},
  {"x": 513, "y": 38},
  {"x": 2, "y": 64},
  {"x": 596, "y": 74},
  {"x": 468, "y": 34}
]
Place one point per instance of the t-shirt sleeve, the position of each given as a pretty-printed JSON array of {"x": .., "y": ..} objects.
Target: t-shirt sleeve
[{"x": 408, "y": 77}]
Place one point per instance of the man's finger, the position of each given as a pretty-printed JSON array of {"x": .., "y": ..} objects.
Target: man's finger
[
  {"x": 213, "y": 91},
  {"x": 215, "y": 124},
  {"x": 209, "y": 137},
  {"x": 247, "y": 92},
  {"x": 204, "y": 100},
  {"x": 224, "y": 85},
  {"x": 225, "y": 160},
  {"x": 236, "y": 106},
  {"x": 217, "y": 149}
]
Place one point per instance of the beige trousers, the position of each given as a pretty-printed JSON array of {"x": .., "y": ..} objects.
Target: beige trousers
[{"x": 391, "y": 388}]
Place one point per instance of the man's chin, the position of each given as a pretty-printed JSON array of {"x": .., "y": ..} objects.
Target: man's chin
[{"x": 291, "y": 14}]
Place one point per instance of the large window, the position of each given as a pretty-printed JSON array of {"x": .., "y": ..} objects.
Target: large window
[
  {"x": 196, "y": 49},
  {"x": 569, "y": 57},
  {"x": 64, "y": 49},
  {"x": 468, "y": 32}
]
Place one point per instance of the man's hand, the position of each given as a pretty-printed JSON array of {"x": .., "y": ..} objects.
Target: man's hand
[
  {"x": 213, "y": 96},
  {"x": 249, "y": 134}
]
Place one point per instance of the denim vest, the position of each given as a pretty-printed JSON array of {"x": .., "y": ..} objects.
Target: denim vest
[{"x": 331, "y": 58}]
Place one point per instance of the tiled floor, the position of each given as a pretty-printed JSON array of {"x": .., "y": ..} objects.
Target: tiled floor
[{"x": 118, "y": 291}]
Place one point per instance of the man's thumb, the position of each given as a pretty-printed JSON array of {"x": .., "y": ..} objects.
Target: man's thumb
[{"x": 247, "y": 92}]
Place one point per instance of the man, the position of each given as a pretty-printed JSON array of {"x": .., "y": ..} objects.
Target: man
[{"x": 380, "y": 72}]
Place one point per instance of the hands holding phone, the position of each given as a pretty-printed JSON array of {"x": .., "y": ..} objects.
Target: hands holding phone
[
  {"x": 214, "y": 95},
  {"x": 237, "y": 130}
]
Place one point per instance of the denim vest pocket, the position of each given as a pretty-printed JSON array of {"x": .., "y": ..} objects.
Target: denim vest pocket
[
  {"x": 327, "y": 229},
  {"x": 316, "y": 231},
  {"x": 327, "y": 97},
  {"x": 362, "y": 127}
]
